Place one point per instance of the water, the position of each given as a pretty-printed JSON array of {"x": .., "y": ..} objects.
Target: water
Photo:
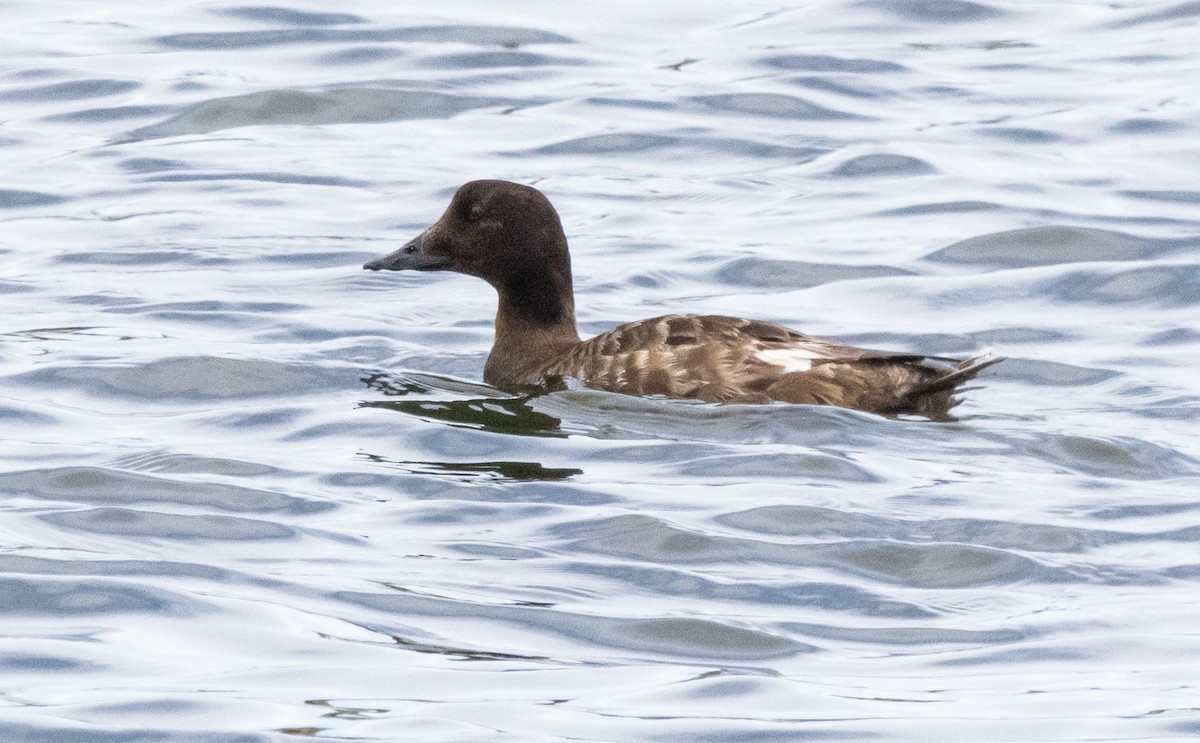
[{"x": 251, "y": 492}]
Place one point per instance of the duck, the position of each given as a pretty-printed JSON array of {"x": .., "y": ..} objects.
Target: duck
[{"x": 510, "y": 235}]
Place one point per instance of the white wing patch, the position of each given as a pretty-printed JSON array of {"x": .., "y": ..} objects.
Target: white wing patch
[{"x": 791, "y": 359}]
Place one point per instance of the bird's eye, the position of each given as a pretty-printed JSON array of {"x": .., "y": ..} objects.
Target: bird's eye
[
  {"x": 410, "y": 249},
  {"x": 476, "y": 212}
]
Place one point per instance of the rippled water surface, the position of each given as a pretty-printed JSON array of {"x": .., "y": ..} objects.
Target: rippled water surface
[{"x": 251, "y": 492}]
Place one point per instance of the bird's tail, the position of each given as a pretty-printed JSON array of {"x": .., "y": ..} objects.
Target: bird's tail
[{"x": 962, "y": 372}]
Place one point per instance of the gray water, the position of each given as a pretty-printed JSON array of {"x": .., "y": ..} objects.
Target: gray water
[{"x": 250, "y": 492}]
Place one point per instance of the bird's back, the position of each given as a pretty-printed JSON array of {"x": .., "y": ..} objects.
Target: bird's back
[{"x": 726, "y": 359}]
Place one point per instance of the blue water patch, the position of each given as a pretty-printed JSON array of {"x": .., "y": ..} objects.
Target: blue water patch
[{"x": 10, "y": 199}]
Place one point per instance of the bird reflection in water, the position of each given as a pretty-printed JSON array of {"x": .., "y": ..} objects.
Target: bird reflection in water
[{"x": 487, "y": 410}]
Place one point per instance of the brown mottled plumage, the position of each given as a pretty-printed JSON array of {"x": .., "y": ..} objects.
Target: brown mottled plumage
[{"x": 510, "y": 236}]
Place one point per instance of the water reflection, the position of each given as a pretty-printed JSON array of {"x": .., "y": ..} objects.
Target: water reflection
[
  {"x": 463, "y": 653},
  {"x": 492, "y": 412},
  {"x": 475, "y": 471}
]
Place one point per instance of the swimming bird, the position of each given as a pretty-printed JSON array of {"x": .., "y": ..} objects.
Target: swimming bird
[{"x": 510, "y": 236}]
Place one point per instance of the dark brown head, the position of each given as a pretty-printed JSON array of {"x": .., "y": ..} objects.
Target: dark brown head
[{"x": 506, "y": 234}]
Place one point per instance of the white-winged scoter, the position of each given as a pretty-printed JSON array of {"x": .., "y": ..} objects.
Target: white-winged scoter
[{"x": 510, "y": 236}]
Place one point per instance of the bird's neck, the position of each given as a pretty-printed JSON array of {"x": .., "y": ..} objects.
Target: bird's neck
[{"x": 535, "y": 325}]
